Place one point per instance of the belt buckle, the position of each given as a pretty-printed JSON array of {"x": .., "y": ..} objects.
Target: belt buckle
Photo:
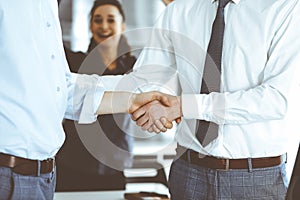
[{"x": 227, "y": 162}]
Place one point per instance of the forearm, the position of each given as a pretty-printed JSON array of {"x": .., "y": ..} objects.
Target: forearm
[
  {"x": 115, "y": 102},
  {"x": 127, "y": 102}
]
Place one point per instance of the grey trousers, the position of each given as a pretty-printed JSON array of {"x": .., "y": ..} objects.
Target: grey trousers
[
  {"x": 17, "y": 187},
  {"x": 191, "y": 182}
]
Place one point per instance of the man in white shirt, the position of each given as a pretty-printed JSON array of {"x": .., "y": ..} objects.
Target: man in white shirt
[
  {"x": 37, "y": 92},
  {"x": 253, "y": 109}
]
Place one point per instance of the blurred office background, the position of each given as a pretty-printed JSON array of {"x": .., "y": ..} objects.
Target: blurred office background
[
  {"x": 140, "y": 15},
  {"x": 74, "y": 16},
  {"x": 154, "y": 150}
]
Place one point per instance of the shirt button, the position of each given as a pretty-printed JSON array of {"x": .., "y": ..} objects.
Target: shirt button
[
  {"x": 52, "y": 57},
  {"x": 58, "y": 89},
  {"x": 48, "y": 24}
]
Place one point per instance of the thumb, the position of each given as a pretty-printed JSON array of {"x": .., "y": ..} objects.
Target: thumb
[{"x": 163, "y": 98}]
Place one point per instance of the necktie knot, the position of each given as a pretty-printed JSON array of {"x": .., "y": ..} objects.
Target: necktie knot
[{"x": 223, "y": 3}]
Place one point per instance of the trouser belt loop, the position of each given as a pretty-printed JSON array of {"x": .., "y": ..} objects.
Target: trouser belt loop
[
  {"x": 250, "y": 168},
  {"x": 188, "y": 153},
  {"x": 39, "y": 168},
  {"x": 286, "y": 156},
  {"x": 227, "y": 165}
]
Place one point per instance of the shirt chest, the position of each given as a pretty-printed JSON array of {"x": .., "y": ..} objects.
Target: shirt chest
[{"x": 248, "y": 38}]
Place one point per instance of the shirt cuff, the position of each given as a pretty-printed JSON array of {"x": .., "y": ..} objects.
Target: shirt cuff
[
  {"x": 93, "y": 97},
  {"x": 193, "y": 106}
]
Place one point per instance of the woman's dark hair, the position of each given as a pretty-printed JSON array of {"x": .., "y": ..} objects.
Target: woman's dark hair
[{"x": 115, "y": 3}]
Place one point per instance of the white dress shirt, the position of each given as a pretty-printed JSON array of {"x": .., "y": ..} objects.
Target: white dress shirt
[
  {"x": 259, "y": 80},
  {"x": 37, "y": 88}
]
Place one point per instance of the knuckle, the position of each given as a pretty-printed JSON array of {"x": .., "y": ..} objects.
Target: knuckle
[
  {"x": 170, "y": 125},
  {"x": 150, "y": 130},
  {"x": 158, "y": 124},
  {"x": 138, "y": 123},
  {"x": 144, "y": 128},
  {"x": 134, "y": 116}
]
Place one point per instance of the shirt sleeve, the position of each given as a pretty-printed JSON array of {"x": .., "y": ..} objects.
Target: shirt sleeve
[
  {"x": 268, "y": 100},
  {"x": 84, "y": 95}
]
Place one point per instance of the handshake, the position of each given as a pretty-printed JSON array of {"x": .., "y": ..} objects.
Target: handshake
[{"x": 153, "y": 111}]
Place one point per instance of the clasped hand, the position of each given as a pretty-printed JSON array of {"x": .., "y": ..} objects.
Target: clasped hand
[{"x": 155, "y": 111}]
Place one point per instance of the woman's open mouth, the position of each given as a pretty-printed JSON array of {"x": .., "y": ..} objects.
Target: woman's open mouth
[{"x": 104, "y": 36}]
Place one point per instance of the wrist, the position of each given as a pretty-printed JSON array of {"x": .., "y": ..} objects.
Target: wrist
[
  {"x": 131, "y": 100},
  {"x": 180, "y": 105},
  {"x": 175, "y": 108}
]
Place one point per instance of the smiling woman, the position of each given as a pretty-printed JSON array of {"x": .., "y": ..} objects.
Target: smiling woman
[
  {"x": 107, "y": 24},
  {"x": 98, "y": 30},
  {"x": 107, "y": 21},
  {"x": 108, "y": 54},
  {"x": 75, "y": 20}
]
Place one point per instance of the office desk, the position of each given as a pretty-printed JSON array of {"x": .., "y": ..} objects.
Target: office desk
[
  {"x": 156, "y": 147},
  {"x": 105, "y": 195},
  {"x": 112, "y": 195}
]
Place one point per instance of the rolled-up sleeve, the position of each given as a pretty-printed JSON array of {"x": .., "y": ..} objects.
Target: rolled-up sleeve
[{"x": 84, "y": 96}]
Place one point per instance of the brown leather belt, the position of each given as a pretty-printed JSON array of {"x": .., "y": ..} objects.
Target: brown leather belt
[
  {"x": 226, "y": 164},
  {"x": 26, "y": 166}
]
